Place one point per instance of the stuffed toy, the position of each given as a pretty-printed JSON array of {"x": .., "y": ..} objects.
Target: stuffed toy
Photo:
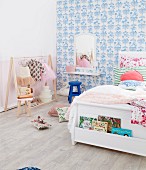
[{"x": 40, "y": 123}]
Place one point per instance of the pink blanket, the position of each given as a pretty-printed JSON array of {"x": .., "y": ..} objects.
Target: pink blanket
[
  {"x": 108, "y": 94},
  {"x": 105, "y": 98}
]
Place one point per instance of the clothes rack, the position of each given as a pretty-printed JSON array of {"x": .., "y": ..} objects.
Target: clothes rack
[{"x": 12, "y": 71}]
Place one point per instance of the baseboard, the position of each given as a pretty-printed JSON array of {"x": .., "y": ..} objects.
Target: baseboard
[
  {"x": 1, "y": 109},
  {"x": 11, "y": 106}
]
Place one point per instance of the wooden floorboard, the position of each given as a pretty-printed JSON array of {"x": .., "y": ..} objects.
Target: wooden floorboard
[{"x": 22, "y": 145}]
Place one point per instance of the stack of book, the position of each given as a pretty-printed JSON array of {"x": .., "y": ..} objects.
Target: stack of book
[{"x": 102, "y": 123}]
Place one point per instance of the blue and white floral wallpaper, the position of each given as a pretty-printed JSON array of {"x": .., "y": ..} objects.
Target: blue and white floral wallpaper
[{"x": 119, "y": 25}]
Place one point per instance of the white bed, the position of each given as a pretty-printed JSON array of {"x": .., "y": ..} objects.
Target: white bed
[{"x": 134, "y": 145}]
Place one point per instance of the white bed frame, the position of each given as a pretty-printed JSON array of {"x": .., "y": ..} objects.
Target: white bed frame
[{"x": 135, "y": 145}]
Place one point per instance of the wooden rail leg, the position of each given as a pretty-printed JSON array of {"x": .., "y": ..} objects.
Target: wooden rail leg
[
  {"x": 73, "y": 142},
  {"x": 29, "y": 108},
  {"x": 19, "y": 108},
  {"x": 55, "y": 92},
  {"x": 8, "y": 84},
  {"x": 25, "y": 106}
]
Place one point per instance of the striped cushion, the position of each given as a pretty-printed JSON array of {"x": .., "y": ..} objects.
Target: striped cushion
[{"x": 119, "y": 71}]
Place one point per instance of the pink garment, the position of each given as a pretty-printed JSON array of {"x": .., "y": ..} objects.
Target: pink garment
[
  {"x": 49, "y": 73},
  {"x": 83, "y": 63}
]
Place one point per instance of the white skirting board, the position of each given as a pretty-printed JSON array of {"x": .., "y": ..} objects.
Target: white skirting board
[
  {"x": 11, "y": 106},
  {"x": 1, "y": 109}
]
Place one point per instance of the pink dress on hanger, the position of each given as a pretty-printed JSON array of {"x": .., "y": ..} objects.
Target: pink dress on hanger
[{"x": 49, "y": 73}]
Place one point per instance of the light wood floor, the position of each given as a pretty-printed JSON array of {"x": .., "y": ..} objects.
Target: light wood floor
[{"x": 22, "y": 145}]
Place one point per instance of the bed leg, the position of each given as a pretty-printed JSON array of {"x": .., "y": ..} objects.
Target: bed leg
[{"x": 73, "y": 142}]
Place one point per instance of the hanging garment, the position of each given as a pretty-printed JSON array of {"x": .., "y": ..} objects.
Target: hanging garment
[
  {"x": 23, "y": 77},
  {"x": 36, "y": 69},
  {"x": 49, "y": 73}
]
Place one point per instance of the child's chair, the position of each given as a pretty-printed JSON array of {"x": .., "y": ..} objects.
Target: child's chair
[
  {"x": 27, "y": 102},
  {"x": 71, "y": 92},
  {"x": 25, "y": 95}
]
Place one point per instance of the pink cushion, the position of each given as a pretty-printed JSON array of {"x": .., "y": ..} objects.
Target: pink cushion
[
  {"x": 83, "y": 63},
  {"x": 70, "y": 68},
  {"x": 53, "y": 111},
  {"x": 131, "y": 75}
]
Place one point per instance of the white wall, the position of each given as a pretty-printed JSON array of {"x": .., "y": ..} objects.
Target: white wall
[
  {"x": 1, "y": 87},
  {"x": 27, "y": 28}
]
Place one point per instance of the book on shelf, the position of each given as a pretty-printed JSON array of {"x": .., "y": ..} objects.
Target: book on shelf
[
  {"x": 92, "y": 124},
  {"x": 101, "y": 126},
  {"x": 86, "y": 122},
  {"x": 112, "y": 122}
]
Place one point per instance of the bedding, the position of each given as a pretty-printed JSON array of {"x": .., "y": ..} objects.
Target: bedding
[
  {"x": 106, "y": 94},
  {"x": 118, "y": 72},
  {"x": 110, "y": 94},
  {"x": 131, "y": 75},
  {"x": 131, "y": 84},
  {"x": 139, "y": 112},
  {"x": 127, "y": 61}
]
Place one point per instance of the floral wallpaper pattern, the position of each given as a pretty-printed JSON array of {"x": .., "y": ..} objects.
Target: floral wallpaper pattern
[{"x": 119, "y": 25}]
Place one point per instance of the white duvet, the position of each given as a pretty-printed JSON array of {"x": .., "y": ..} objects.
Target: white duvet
[{"x": 109, "y": 94}]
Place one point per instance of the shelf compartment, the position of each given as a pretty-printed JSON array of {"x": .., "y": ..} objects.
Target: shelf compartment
[{"x": 121, "y": 143}]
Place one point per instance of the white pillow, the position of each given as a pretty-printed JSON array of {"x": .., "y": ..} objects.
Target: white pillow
[{"x": 131, "y": 84}]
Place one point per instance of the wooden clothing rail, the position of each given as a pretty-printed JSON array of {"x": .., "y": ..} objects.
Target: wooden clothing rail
[{"x": 13, "y": 71}]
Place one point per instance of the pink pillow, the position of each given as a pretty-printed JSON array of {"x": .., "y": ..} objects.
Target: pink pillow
[
  {"x": 53, "y": 111},
  {"x": 131, "y": 75},
  {"x": 84, "y": 63},
  {"x": 70, "y": 68}
]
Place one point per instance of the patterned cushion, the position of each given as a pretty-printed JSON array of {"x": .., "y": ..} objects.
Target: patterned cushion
[
  {"x": 53, "y": 111},
  {"x": 131, "y": 84},
  {"x": 61, "y": 113},
  {"x": 128, "y": 61},
  {"x": 120, "y": 71}
]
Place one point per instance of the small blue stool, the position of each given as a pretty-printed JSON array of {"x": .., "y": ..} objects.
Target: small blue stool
[{"x": 71, "y": 93}]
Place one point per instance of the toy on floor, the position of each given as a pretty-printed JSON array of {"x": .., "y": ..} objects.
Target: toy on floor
[{"x": 40, "y": 123}]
